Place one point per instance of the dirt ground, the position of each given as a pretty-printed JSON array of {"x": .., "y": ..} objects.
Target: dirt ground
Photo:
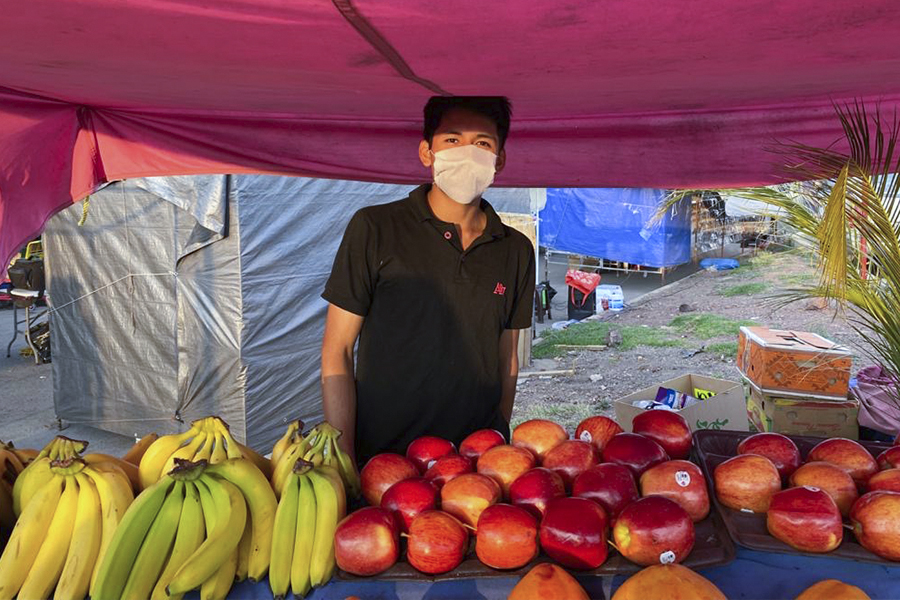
[{"x": 660, "y": 341}]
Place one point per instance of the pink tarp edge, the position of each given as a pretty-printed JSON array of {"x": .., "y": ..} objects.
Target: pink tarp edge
[{"x": 645, "y": 93}]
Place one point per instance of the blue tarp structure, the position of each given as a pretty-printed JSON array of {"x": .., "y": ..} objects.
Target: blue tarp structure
[{"x": 614, "y": 223}]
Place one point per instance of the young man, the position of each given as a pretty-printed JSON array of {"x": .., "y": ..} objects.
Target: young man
[{"x": 434, "y": 287}]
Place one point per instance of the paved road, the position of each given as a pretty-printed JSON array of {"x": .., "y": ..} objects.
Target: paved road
[{"x": 27, "y": 416}]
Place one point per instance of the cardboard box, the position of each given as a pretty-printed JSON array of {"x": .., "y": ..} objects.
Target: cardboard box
[
  {"x": 796, "y": 416},
  {"x": 794, "y": 363},
  {"x": 724, "y": 410}
]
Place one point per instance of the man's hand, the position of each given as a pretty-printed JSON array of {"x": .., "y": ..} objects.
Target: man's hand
[
  {"x": 338, "y": 381},
  {"x": 509, "y": 370}
]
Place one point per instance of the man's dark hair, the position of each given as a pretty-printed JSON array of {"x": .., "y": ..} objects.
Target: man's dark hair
[{"x": 496, "y": 108}]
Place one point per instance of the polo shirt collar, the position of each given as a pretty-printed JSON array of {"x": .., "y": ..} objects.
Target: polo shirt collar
[{"x": 419, "y": 200}]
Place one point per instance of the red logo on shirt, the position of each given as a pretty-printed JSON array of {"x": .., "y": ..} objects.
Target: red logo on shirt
[{"x": 500, "y": 289}]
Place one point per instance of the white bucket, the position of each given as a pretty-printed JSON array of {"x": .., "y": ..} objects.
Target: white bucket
[{"x": 613, "y": 295}]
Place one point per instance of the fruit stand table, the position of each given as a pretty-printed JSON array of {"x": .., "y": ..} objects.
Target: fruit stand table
[{"x": 752, "y": 575}]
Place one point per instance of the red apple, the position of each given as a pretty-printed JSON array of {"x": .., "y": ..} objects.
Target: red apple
[
  {"x": 539, "y": 436},
  {"x": 876, "y": 523},
  {"x": 888, "y": 481},
  {"x": 897, "y": 440},
  {"x": 780, "y": 449},
  {"x": 681, "y": 481},
  {"x": 407, "y": 498},
  {"x": 437, "y": 542},
  {"x": 505, "y": 464},
  {"x": 848, "y": 455},
  {"x": 831, "y": 479},
  {"x": 666, "y": 428},
  {"x": 425, "y": 450},
  {"x": 610, "y": 485},
  {"x": 507, "y": 537},
  {"x": 381, "y": 472},
  {"x": 448, "y": 467},
  {"x": 570, "y": 459},
  {"x": 747, "y": 482},
  {"x": 597, "y": 431},
  {"x": 367, "y": 542},
  {"x": 654, "y": 530},
  {"x": 466, "y": 496},
  {"x": 535, "y": 488},
  {"x": 634, "y": 451},
  {"x": 479, "y": 442},
  {"x": 890, "y": 458},
  {"x": 573, "y": 533},
  {"x": 805, "y": 518}
]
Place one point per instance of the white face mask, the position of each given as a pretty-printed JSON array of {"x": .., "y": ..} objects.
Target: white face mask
[{"x": 464, "y": 172}]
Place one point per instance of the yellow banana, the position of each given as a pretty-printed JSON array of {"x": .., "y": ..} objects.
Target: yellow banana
[
  {"x": 305, "y": 535},
  {"x": 50, "y": 560},
  {"x": 186, "y": 452},
  {"x": 294, "y": 430},
  {"x": 29, "y": 481},
  {"x": 151, "y": 558},
  {"x": 334, "y": 477},
  {"x": 127, "y": 468},
  {"x": 75, "y": 580},
  {"x": 284, "y": 533},
  {"x": 191, "y": 531},
  {"x": 127, "y": 539},
  {"x": 159, "y": 452},
  {"x": 204, "y": 452},
  {"x": 221, "y": 542},
  {"x": 349, "y": 474},
  {"x": 136, "y": 453},
  {"x": 218, "y": 586},
  {"x": 116, "y": 496},
  {"x": 244, "y": 547},
  {"x": 262, "y": 463},
  {"x": 316, "y": 454},
  {"x": 218, "y": 451},
  {"x": 25, "y": 542},
  {"x": 286, "y": 465},
  {"x": 262, "y": 504},
  {"x": 321, "y": 565}
]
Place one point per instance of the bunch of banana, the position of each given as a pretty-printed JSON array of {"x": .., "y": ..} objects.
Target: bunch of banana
[
  {"x": 312, "y": 503},
  {"x": 11, "y": 465},
  {"x": 186, "y": 531},
  {"x": 69, "y": 511},
  {"x": 208, "y": 439},
  {"x": 320, "y": 447},
  {"x": 136, "y": 452}
]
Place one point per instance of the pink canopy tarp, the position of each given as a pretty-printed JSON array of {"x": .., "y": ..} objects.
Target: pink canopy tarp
[{"x": 650, "y": 93}]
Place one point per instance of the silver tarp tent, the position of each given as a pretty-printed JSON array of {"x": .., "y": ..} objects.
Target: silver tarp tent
[{"x": 180, "y": 297}]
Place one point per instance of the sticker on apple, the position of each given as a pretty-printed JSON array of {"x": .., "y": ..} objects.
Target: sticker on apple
[
  {"x": 586, "y": 437},
  {"x": 667, "y": 557},
  {"x": 682, "y": 478}
]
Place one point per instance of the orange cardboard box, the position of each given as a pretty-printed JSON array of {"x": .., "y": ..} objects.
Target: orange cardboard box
[{"x": 794, "y": 363}]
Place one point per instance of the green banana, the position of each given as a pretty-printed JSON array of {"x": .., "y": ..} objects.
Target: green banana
[
  {"x": 50, "y": 560},
  {"x": 305, "y": 534},
  {"x": 321, "y": 566},
  {"x": 75, "y": 579},
  {"x": 151, "y": 558},
  {"x": 348, "y": 472},
  {"x": 262, "y": 504},
  {"x": 25, "y": 542},
  {"x": 220, "y": 543},
  {"x": 191, "y": 531},
  {"x": 285, "y": 531},
  {"x": 126, "y": 541},
  {"x": 116, "y": 496}
]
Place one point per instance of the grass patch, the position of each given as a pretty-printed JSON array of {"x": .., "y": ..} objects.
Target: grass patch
[
  {"x": 558, "y": 412},
  {"x": 585, "y": 334},
  {"x": 707, "y": 325},
  {"x": 635, "y": 336},
  {"x": 723, "y": 348},
  {"x": 744, "y": 289},
  {"x": 798, "y": 279}
]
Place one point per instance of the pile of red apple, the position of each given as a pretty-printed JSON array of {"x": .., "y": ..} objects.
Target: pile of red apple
[
  {"x": 571, "y": 498},
  {"x": 806, "y": 504}
]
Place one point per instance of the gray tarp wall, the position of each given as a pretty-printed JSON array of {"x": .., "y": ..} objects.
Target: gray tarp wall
[{"x": 181, "y": 297}]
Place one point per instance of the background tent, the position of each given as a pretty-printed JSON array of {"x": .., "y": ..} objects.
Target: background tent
[
  {"x": 645, "y": 93},
  {"x": 181, "y": 297},
  {"x": 615, "y": 224}
]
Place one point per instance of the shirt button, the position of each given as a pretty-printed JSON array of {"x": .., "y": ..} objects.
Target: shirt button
[{"x": 447, "y": 235}]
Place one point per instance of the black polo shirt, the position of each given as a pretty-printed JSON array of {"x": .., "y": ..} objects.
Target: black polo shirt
[{"x": 428, "y": 354}]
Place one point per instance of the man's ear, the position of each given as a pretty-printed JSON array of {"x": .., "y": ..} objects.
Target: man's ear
[
  {"x": 501, "y": 160},
  {"x": 425, "y": 155}
]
